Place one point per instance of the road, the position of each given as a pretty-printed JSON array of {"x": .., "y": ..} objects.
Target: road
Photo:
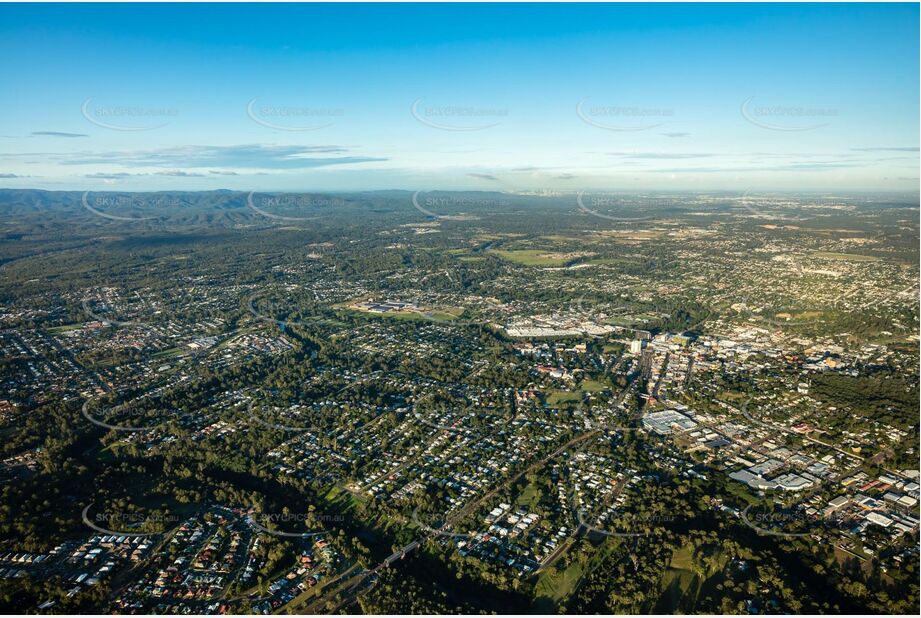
[
  {"x": 744, "y": 412},
  {"x": 352, "y": 588},
  {"x": 353, "y": 585}
]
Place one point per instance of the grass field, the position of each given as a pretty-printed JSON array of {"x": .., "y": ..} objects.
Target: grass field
[
  {"x": 562, "y": 398},
  {"x": 682, "y": 559},
  {"x": 529, "y": 497},
  {"x": 678, "y": 590},
  {"x": 795, "y": 318},
  {"x": 168, "y": 353},
  {"x": 57, "y": 330},
  {"x": 558, "y": 398},
  {"x": 611, "y": 261},
  {"x": 592, "y": 386},
  {"x": 529, "y": 257},
  {"x": 443, "y": 314},
  {"x": 560, "y": 238},
  {"x": 851, "y": 257},
  {"x": 628, "y": 321},
  {"x": 679, "y": 584},
  {"x": 555, "y": 585}
]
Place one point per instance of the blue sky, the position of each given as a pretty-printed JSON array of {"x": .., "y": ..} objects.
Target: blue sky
[{"x": 508, "y": 97}]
